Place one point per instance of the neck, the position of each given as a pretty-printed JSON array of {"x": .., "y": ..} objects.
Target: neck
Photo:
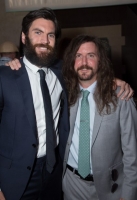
[{"x": 86, "y": 84}]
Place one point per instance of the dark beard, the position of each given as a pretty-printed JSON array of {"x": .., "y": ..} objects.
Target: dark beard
[
  {"x": 82, "y": 77},
  {"x": 41, "y": 60}
]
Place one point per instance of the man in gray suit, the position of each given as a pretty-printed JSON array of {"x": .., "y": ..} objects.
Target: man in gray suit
[{"x": 100, "y": 160}]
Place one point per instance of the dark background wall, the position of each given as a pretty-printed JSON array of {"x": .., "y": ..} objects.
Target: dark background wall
[
  {"x": 124, "y": 16},
  {"x": 129, "y": 29}
]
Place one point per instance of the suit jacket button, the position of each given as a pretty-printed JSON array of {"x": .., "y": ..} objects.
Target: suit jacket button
[
  {"x": 29, "y": 168},
  {"x": 34, "y": 145},
  {"x": 114, "y": 187}
]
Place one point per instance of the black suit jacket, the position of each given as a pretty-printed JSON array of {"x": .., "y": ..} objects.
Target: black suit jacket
[{"x": 18, "y": 131}]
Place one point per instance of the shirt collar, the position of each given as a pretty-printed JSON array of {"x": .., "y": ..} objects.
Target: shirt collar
[
  {"x": 32, "y": 67},
  {"x": 91, "y": 88}
]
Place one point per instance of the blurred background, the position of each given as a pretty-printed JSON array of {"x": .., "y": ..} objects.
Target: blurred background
[{"x": 113, "y": 21}]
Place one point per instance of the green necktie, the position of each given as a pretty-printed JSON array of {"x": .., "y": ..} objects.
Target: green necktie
[{"x": 84, "y": 137}]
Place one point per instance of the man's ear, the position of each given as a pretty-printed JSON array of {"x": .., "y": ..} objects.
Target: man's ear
[{"x": 23, "y": 37}]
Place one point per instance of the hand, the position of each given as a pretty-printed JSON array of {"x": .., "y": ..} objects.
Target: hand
[
  {"x": 2, "y": 196},
  {"x": 126, "y": 91},
  {"x": 14, "y": 64}
]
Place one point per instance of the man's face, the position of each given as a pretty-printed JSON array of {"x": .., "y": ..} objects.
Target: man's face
[
  {"x": 86, "y": 63},
  {"x": 40, "y": 42}
]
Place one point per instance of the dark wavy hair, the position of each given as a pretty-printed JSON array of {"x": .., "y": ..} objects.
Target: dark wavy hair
[
  {"x": 45, "y": 13},
  {"x": 104, "y": 92}
]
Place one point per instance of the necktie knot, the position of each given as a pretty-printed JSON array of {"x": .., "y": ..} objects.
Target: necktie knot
[
  {"x": 42, "y": 73},
  {"x": 85, "y": 94}
]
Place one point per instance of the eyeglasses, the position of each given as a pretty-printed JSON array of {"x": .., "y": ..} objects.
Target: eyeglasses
[{"x": 114, "y": 176}]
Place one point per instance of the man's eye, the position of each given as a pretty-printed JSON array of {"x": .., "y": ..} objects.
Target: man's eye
[
  {"x": 37, "y": 32},
  {"x": 52, "y": 35},
  {"x": 91, "y": 55},
  {"x": 78, "y": 56}
]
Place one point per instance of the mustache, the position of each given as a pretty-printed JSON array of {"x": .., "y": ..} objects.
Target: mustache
[
  {"x": 84, "y": 67},
  {"x": 44, "y": 46}
]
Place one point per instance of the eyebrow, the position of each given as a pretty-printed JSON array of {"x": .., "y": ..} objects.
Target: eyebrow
[
  {"x": 87, "y": 53},
  {"x": 92, "y": 53},
  {"x": 37, "y": 29}
]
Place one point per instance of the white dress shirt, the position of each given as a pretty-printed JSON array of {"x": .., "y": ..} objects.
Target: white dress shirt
[
  {"x": 55, "y": 90},
  {"x": 74, "y": 148}
]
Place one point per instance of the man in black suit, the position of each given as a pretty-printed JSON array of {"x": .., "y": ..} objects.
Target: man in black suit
[{"x": 24, "y": 172}]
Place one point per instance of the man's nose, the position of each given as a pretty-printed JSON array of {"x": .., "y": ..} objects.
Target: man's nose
[
  {"x": 45, "y": 39},
  {"x": 84, "y": 60}
]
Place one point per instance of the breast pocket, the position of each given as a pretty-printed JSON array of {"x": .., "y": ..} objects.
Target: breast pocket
[
  {"x": 5, "y": 162},
  {"x": 111, "y": 117}
]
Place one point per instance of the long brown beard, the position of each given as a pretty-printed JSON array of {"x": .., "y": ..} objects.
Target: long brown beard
[{"x": 41, "y": 60}]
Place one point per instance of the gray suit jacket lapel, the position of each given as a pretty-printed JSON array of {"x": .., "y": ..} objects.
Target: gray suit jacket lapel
[
  {"x": 73, "y": 114},
  {"x": 96, "y": 127}
]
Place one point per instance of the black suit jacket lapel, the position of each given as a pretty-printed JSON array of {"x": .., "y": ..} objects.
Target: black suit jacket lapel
[{"x": 25, "y": 89}]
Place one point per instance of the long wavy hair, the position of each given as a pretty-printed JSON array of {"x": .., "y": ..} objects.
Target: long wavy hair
[{"x": 104, "y": 93}]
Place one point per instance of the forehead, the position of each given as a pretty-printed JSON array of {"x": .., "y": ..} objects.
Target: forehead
[
  {"x": 87, "y": 47},
  {"x": 42, "y": 23}
]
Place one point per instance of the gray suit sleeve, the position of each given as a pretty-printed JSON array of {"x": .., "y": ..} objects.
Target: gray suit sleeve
[{"x": 128, "y": 124}]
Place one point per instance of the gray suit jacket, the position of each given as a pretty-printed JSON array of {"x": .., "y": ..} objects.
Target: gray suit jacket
[{"x": 114, "y": 146}]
